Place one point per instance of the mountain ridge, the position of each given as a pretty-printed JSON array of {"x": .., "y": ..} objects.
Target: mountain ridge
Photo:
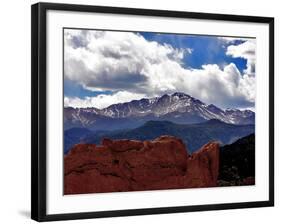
[
  {"x": 193, "y": 135},
  {"x": 177, "y": 107}
]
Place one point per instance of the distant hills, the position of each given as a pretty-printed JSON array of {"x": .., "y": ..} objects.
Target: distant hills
[
  {"x": 193, "y": 135},
  {"x": 178, "y": 108}
]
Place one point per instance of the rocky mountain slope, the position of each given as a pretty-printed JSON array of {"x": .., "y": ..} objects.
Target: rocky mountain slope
[{"x": 177, "y": 107}]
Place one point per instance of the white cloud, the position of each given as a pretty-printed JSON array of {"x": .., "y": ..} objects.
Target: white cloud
[
  {"x": 231, "y": 40},
  {"x": 126, "y": 62},
  {"x": 246, "y": 50},
  {"x": 102, "y": 100},
  {"x": 114, "y": 60}
]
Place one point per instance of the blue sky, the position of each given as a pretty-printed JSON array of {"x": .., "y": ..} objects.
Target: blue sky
[
  {"x": 206, "y": 49},
  {"x": 86, "y": 78},
  {"x": 74, "y": 89}
]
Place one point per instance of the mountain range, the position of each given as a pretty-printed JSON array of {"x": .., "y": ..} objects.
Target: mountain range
[
  {"x": 179, "y": 108},
  {"x": 193, "y": 135}
]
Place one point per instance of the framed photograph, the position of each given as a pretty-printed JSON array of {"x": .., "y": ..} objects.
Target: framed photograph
[{"x": 140, "y": 111}]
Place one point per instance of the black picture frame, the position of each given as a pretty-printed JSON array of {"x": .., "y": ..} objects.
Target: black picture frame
[{"x": 38, "y": 108}]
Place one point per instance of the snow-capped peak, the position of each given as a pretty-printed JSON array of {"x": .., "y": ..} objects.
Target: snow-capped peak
[{"x": 177, "y": 106}]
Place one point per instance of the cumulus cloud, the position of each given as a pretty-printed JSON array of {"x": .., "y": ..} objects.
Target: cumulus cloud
[
  {"x": 125, "y": 62},
  {"x": 102, "y": 100},
  {"x": 114, "y": 60},
  {"x": 246, "y": 50}
]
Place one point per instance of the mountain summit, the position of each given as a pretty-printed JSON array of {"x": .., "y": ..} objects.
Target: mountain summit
[{"x": 177, "y": 107}]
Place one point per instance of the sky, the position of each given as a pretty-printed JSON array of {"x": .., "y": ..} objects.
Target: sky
[{"x": 102, "y": 68}]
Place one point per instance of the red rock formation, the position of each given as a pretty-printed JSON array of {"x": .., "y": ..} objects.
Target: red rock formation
[
  {"x": 203, "y": 166},
  {"x": 129, "y": 165}
]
